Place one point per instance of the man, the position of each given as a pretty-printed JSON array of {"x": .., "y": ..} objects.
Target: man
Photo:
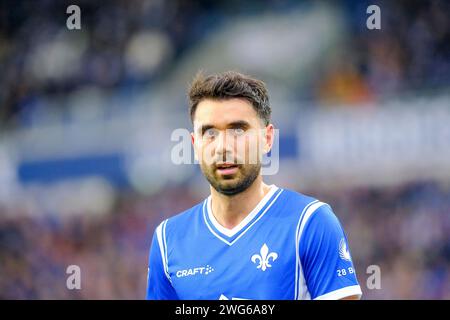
[{"x": 247, "y": 240}]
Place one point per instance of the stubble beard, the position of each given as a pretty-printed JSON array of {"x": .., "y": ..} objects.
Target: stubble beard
[{"x": 244, "y": 178}]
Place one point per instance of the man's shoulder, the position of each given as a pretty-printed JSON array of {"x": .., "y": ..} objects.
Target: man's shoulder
[
  {"x": 183, "y": 220},
  {"x": 308, "y": 209},
  {"x": 297, "y": 200}
]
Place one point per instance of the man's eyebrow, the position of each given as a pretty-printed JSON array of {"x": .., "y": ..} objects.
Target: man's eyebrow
[
  {"x": 204, "y": 127},
  {"x": 235, "y": 124},
  {"x": 238, "y": 124}
]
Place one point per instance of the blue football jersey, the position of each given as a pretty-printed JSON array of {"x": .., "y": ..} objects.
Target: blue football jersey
[{"x": 290, "y": 246}]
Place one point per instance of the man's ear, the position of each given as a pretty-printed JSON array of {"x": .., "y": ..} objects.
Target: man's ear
[
  {"x": 269, "y": 132},
  {"x": 193, "y": 145}
]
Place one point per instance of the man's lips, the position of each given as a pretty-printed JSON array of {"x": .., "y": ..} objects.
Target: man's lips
[
  {"x": 226, "y": 165},
  {"x": 227, "y": 168}
]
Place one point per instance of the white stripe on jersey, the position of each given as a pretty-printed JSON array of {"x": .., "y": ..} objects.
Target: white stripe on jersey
[
  {"x": 161, "y": 236},
  {"x": 301, "y": 290}
]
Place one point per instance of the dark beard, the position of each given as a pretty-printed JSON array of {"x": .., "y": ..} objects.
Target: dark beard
[{"x": 242, "y": 185}]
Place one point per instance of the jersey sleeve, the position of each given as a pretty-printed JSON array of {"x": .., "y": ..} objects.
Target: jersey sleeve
[
  {"x": 325, "y": 257},
  {"x": 159, "y": 286}
]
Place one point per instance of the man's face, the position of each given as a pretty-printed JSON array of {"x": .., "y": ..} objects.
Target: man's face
[{"x": 229, "y": 139}]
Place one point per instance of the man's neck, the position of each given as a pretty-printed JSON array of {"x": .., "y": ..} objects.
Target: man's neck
[{"x": 229, "y": 211}]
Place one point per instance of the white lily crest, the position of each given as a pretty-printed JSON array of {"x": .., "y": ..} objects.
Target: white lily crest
[{"x": 264, "y": 258}]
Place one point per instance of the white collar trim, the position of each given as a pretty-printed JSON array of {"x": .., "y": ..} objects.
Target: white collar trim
[{"x": 246, "y": 220}]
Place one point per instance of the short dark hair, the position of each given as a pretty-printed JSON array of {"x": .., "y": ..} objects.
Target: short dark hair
[{"x": 228, "y": 85}]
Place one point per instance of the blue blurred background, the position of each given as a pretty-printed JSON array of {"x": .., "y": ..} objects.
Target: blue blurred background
[{"x": 86, "y": 118}]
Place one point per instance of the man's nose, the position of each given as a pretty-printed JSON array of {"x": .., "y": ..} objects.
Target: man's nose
[{"x": 224, "y": 144}]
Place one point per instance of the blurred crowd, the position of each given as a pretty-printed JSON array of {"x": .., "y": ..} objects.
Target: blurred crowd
[
  {"x": 403, "y": 230},
  {"x": 124, "y": 44},
  {"x": 411, "y": 52},
  {"x": 111, "y": 250}
]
